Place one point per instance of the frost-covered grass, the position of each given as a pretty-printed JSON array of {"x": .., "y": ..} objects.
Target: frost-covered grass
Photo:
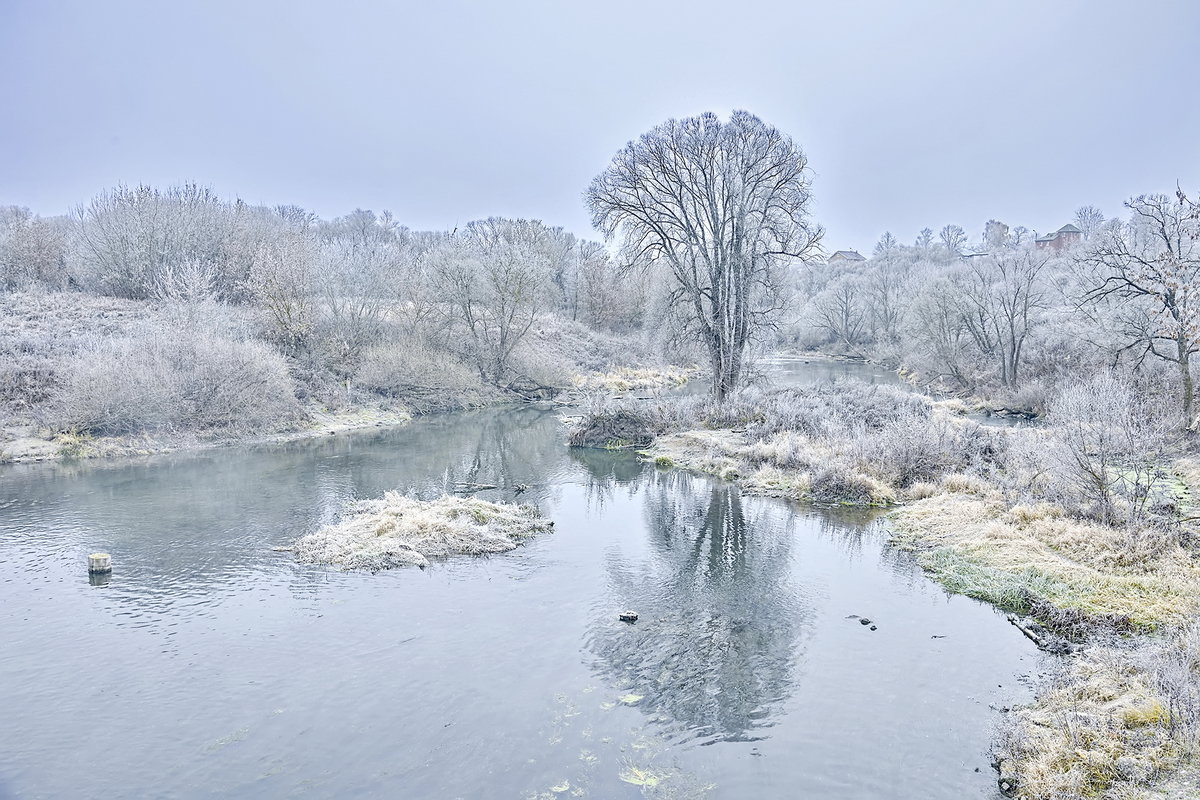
[
  {"x": 397, "y": 531},
  {"x": 846, "y": 444},
  {"x": 1019, "y": 557},
  {"x": 625, "y": 379},
  {"x": 1114, "y": 722}
]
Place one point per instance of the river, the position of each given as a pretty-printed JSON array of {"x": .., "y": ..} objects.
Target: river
[{"x": 210, "y": 665}]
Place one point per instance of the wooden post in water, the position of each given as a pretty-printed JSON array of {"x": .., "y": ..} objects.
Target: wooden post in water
[{"x": 99, "y": 564}]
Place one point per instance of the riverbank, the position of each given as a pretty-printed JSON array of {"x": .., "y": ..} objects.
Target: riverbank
[
  {"x": 26, "y": 444},
  {"x": 999, "y": 404},
  {"x": 88, "y": 376},
  {"x": 1093, "y": 544},
  {"x": 31, "y": 443}
]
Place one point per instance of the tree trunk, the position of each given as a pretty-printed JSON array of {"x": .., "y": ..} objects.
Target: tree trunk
[
  {"x": 1185, "y": 375},
  {"x": 726, "y": 360}
]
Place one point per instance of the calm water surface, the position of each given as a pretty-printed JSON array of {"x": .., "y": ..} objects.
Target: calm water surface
[
  {"x": 212, "y": 666},
  {"x": 813, "y": 370}
]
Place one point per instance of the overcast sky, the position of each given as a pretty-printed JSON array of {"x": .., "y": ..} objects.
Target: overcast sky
[{"x": 911, "y": 113}]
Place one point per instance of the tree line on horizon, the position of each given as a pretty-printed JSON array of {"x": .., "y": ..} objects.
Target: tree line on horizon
[{"x": 711, "y": 255}]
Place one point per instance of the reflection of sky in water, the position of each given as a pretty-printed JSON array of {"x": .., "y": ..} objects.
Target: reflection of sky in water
[{"x": 211, "y": 664}]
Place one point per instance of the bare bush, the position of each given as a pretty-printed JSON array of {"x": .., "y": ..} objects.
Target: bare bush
[
  {"x": 32, "y": 250},
  {"x": 425, "y": 379},
  {"x": 1106, "y": 450},
  {"x": 159, "y": 379}
]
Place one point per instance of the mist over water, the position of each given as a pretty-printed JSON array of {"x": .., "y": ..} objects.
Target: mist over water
[{"x": 212, "y": 665}]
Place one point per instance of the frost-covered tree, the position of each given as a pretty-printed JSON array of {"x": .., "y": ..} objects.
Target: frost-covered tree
[
  {"x": 498, "y": 276},
  {"x": 954, "y": 239},
  {"x": 1152, "y": 264},
  {"x": 887, "y": 282},
  {"x": 924, "y": 240},
  {"x": 1005, "y": 298},
  {"x": 886, "y": 244},
  {"x": 1089, "y": 219},
  {"x": 937, "y": 337},
  {"x": 841, "y": 311},
  {"x": 362, "y": 260},
  {"x": 995, "y": 234},
  {"x": 724, "y": 206},
  {"x": 282, "y": 283}
]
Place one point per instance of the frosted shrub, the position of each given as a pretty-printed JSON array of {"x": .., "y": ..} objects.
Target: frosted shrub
[
  {"x": 425, "y": 378},
  {"x": 38, "y": 333},
  {"x": 1104, "y": 449},
  {"x": 1175, "y": 669},
  {"x": 915, "y": 448},
  {"x": 31, "y": 250},
  {"x": 157, "y": 380}
]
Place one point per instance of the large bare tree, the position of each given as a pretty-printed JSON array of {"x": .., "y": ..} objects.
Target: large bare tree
[
  {"x": 1153, "y": 263},
  {"x": 724, "y": 205}
]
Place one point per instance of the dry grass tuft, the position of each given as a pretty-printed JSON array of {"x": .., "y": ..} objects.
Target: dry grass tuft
[
  {"x": 626, "y": 379},
  {"x": 397, "y": 531}
]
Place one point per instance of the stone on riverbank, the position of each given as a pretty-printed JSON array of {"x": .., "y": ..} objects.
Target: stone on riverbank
[{"x": 397, "y": 531}]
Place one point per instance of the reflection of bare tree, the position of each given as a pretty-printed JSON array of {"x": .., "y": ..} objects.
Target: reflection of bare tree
[
  {"x": 519, "y": 446},
  {"x": 608, "y": 470},
  {"x": 715, "y": 647},
  {"x": 858, "y": 531},
  {"x": 845, "y": 534}
]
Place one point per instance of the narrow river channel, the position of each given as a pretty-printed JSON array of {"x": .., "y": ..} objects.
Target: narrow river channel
[{"x": 212, "y": 666}]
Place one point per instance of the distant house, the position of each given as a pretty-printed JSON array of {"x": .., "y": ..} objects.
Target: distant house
[
  {"x": 1066, "y": 236},
  {"x": 843, "y": 256}
]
